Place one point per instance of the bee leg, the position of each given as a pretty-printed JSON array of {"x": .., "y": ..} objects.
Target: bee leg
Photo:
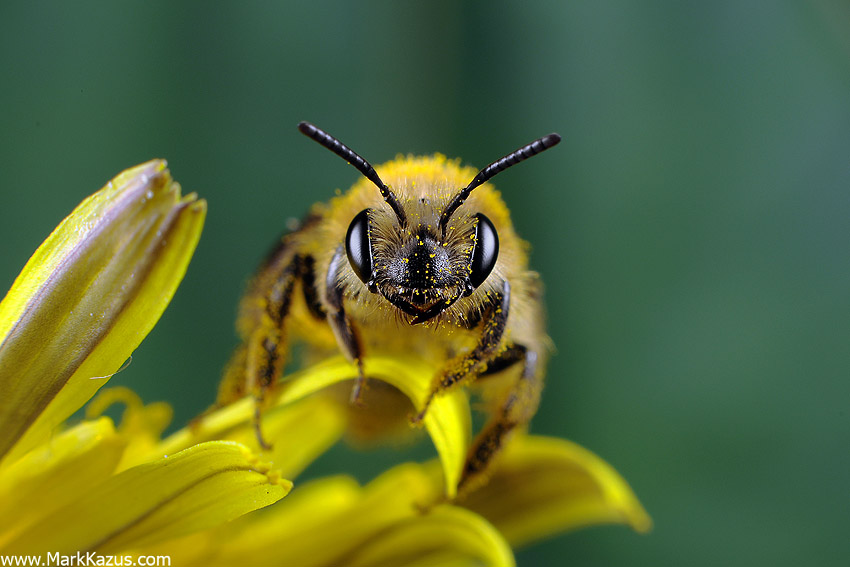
[
  {"x": 257, "y": 364},
  {"x": 344, "y": 331},
  {"x": 515, "y": 410},
  {"x": 504, "y": 360},
  {"x": 267, "y": 344},
  {"x": 473, "y": 364}
]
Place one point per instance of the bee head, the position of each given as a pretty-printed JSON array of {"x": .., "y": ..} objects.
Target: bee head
[{"x": 421, "y": 270}]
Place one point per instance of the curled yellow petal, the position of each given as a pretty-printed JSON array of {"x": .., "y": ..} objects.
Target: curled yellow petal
[
  {"x": 322, "y": 523},
  {"x": 334, "y": 521},
  {"x": 542, "y": 486},
  {"x": 448, "y": 420},
  {"x": 56, "y": 473},
  {"x": 294, "y": 532},
  {"x": 195, "y": 489},
  {"x": 302, "y": 431},
  {"x": 88, "y": 296},
  {"x": 447, "y": 535},
  {"x": 141, "y": 424}
]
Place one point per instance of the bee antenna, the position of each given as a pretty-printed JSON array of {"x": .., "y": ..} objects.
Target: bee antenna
[
  {"x": 358, "y": 162},
  {"x": 491, "y": 170}
]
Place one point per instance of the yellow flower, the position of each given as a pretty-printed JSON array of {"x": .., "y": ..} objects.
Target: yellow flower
[
  {"x": 81, "y": 305},
  {"x": 539, "y": 486},
  {"x": 87, "y": 298}
]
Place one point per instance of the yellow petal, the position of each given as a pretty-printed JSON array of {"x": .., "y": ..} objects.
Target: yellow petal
[
  {"x": 446, "y": 535},
  {"x": 396, "y": 495},
  {"x": 333, "y": 521},
  {"x": 141, "y": 425},
  {"x": 262, "y": 538},
  {"x": 195, "y": 489},
  {"x": 296, "y": 532},
  {"x": 55, "y": 474},
  {"x": 542, "y": 486},
  {"x": 302, "y": 431},
  {"x": 448, "y": 419},
  {"x": 321, "y": 524},
  {"x": 88, "y": 296}
]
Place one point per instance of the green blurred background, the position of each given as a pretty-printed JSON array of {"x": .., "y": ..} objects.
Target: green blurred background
[{"x": 692, "y": 228}]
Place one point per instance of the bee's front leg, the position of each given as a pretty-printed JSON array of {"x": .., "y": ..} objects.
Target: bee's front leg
[
  {"x": 345, "y": 333},
  {"x": 467, "y": 367}
]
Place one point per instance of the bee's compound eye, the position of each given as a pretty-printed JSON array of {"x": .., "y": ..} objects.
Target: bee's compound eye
[
  {"x": 358, "y": 246},
  {"x": 484, "y": 252}
]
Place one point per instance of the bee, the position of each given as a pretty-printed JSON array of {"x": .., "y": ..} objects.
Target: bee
[{"x": 418, "y": 259}]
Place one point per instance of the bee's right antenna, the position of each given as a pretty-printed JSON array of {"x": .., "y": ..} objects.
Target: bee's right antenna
[
  {"x": 491, "y": 170},
  {"x": 358, "y": 162}
]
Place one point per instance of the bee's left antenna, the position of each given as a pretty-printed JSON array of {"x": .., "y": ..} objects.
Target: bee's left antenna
[{"x": 358, "y": 162}]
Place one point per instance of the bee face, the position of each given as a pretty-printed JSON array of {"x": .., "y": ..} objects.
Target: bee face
[{"x": 418, "y": 269}]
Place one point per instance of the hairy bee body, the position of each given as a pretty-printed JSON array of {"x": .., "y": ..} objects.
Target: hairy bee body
[{"x": 369, "y": 276}]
